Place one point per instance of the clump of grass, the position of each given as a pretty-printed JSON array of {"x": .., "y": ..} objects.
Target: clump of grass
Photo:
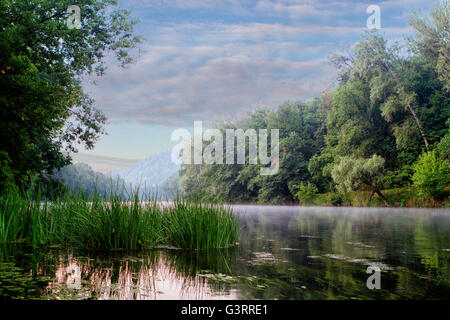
[
  {"x": 113, "y": 224},
  {"x": 117, "y": 223},
  {"x": 12, "y": 212},
  {"x": 196, "y": 225}
]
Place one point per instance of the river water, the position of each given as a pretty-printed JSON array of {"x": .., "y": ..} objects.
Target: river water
[{"x": 285, "y": 252}]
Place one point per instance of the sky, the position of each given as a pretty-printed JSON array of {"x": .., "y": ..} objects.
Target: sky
[{"x": 205, "y": 60}]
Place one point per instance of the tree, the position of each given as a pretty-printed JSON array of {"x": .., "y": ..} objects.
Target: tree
[
  {"x": 382, "y": 68},
  {"x": 299, "y": 124},
  {"x": 396, "y": 98},
  {"x": 386, "y": 103},
  {"x": 306, "y": 192},
  {"x": 431, "y": 175},
  {"x": 43, "y": 108},
  {"x": 432, "y": 40},
  {"x": 79, "y": 178},
  {"x": 352, "y": 174}
]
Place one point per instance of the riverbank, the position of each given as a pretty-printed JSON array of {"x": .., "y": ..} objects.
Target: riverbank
[{"x": 399, "y": 197}]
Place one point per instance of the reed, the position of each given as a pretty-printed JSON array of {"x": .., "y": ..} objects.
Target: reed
[
  {"x": 116, "y": 223},
  {"x": 194, "y": 224},
  {"x": 12, "y": 212}
]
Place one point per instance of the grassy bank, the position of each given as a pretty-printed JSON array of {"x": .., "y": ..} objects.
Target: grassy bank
[
  {"x": 400, "y": 197},
  {"x": 116, "y": 223}
]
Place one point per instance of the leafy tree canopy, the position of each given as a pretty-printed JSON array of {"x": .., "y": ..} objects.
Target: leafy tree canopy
[{"x": 43, "y": 108}]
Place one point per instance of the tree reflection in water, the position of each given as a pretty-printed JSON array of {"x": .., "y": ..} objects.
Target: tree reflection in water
[{"x": 156, "y": 274}]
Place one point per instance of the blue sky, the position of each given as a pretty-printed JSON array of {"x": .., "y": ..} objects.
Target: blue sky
[{"x": 210, "y": 59}]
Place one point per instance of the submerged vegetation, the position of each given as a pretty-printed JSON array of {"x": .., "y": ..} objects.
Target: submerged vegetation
[{"x": 118, "y": 223}]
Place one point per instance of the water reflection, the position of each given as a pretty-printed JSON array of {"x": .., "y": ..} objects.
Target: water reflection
[
  {"x": 284, "y": 253},
  {"x": 159, "y": 274}
]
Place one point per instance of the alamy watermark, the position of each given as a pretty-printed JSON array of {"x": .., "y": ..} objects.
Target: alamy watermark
[
  {"x": 190, "y": 150},
  {"x": 74, "y": 19},
  {"x": 374, "y": 20},
  {"x": 374, "y": 281}
]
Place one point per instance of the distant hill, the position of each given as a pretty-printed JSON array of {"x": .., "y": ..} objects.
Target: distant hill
[
  {"x": 151, "y": 172},
  {"x": 80, "y": 177}
]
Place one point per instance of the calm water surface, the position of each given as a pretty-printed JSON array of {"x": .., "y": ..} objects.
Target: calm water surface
[{"x": 284, "y": 253}]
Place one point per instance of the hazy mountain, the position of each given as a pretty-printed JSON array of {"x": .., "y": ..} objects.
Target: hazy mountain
[{"x": 150, "y": 172}]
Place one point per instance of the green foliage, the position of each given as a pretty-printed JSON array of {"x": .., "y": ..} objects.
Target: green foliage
[
  {"x": 319, "y": 167},
  {"x": 196, "y": 225},
  {"x": 386, "y": 103},
  {"x": 300, "y": 126},
  {"x": 351, "y": 174},
  {"x": 443, "y": 147},
  {"x": 118, "y": 223},
  {"x": 336, "y": 199},
  {"x": 6, "y": 174},
  {"x": 43, "y": 106},
  {"x": 79, "y": 178},
  {"x": 398, "y": 178},
  {"x": 171, "y": 188},
  {"x": 431, "y": 175},
  {"x": 432, "y": 39},
  {"x": 306, "y": 192}
]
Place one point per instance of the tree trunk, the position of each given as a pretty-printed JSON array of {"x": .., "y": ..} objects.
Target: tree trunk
[
  {"x": 371, "y": 195},
  {"x": 411, "y": 110},
  {"x": 419, "y": 125},
  {"x": 378, "y": 192}
]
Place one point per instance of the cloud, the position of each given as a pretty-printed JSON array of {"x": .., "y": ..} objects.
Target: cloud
[
  {"x": 203, "y": 70},
  {"x": 330, "y": 8},
  {"x": 183, "y": 4},
  {"x": 176, "y": 85}
]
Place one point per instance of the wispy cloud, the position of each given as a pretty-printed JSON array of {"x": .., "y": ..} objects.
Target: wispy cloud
[
  {"x": 210, "y": 67},
  {"x": 176, "y": 85}
]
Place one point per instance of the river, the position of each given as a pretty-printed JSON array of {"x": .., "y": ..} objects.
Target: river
[{"x": 285, "y": 252}]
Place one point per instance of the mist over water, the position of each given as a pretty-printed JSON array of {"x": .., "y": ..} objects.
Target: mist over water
[{"x": 285, "y": 252}]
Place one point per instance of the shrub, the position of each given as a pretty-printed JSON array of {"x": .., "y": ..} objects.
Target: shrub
[
  {"x": 306, "y": 193},
  {"x": 443, "y": 147},
  {"x": 353, "y": 174},
  {"x": 431, "y": 175},
  {"x": 336, "y": 199}
]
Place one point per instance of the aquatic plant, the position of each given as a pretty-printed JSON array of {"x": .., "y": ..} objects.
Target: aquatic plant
[
  {"x": 196, "y": 225},
  {"x": 118, "y": 223}
]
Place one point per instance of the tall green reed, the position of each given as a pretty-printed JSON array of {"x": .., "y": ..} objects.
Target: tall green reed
[
  {"x": 197, "y": 225},
  {"x": 121, "y": 222}
]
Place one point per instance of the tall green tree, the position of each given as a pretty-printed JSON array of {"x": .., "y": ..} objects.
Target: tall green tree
[
  {"x": 432, "y": 40},
  {"x": 383, "y": 69},
  {"x": 299, "y": 124},
  {"x": 43, "y": 109}
]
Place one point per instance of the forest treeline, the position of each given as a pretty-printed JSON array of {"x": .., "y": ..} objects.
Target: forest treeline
[
  {"x": 384, "y": 125},
  {"x": 79, "y": 178}
]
